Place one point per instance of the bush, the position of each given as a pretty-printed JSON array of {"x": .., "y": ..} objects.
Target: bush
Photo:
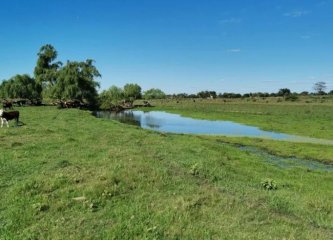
[{"x": 292, "y": 97}]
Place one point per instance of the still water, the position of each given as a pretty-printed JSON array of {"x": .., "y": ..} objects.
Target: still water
[{"x": 175, "y": 123}]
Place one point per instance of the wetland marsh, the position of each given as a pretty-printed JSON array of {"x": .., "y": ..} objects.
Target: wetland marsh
[{"x": 71, "y": 174}]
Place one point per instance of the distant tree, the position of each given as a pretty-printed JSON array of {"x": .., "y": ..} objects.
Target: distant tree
[
  {"x": 330, "y": 92},
  {"x": 283, "y": 92},
  {"x": 230, "y": 95},
  {"x": 154, "y": 93},
  {"x": 76, "y": 80},
  {"x": 132, "y": 91},
  {"x": 192, "y": 95},
  {"x": 207, "y": 94},
  {"x": 181, "y": 95},
  {"x": 111, "y": 97},
  {"x": 203, "y": 94},
  {"x": 320, "y": 88},
  {"x": 304, "y": 93},
  {"x": 263, "y": 94}
]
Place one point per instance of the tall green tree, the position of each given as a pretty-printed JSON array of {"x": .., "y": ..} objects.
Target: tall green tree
[
  {"x": 132, "y": 91},
  {"x": 76, "y": 80},
  {"x": 111, "y": 97},
  {"x": 46, "y": 69}
]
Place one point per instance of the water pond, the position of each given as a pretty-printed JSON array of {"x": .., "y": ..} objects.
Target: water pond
[{"x": 175, "y": 123}]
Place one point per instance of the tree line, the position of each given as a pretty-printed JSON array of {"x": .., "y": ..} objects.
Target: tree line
[
  {"x": 76, "y": 80},
  {"x": 319, "y": 89},
  {"x": 54, "y": 80}
]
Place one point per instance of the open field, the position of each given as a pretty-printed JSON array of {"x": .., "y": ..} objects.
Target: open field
[
  {"x": 309, "y": 116},
  {"x": 66, "y": 174}
]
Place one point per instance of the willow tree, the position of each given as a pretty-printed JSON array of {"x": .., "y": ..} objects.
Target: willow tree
[
  {"x": 5, "y": 89},
  {"x": 21, "y": 86},
  {"x": 76, "y": 80}
]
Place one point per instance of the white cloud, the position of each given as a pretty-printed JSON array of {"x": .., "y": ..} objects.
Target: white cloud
[{"x": 296, "y": 13}]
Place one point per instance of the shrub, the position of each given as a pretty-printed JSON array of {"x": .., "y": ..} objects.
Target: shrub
[{"x": 292, "y": 97}]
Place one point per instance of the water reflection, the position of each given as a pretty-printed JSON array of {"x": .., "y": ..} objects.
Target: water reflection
[
  {"x": 175, "y": 123},
  {"x": 127, "y": 117}
]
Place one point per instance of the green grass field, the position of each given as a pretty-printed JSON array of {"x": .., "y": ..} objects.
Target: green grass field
[
  {"x": 310, "y": 116},
  {"x": 67, "y": 175}
]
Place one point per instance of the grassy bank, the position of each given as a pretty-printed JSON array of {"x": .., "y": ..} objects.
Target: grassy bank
[{"x": 66, "y": 174}]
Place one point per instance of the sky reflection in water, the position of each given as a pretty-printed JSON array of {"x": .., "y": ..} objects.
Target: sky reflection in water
[{"x": 175, "y": 123}]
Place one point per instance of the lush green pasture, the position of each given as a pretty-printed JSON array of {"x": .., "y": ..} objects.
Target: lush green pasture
[
  {"x": 68, "y": 175},
  {"x": 309, "y": 116}
]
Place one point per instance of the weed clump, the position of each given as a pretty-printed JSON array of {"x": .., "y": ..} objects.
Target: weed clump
[
  {"x": 269, "y": 184},
  {"x": 194, "y": 169}
]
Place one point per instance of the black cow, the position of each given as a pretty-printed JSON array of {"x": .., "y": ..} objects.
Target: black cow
[
  {"x": 7, "y": 104},
  {"x": 7, "y": 116}
]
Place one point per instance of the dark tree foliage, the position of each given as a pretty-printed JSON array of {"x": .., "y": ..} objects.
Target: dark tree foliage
[
  {"x": 229, "y": 95},
  {"x": 207, "y": 94},
  {"x": 320, "y": 88},
  {"x": 283, "y": 92}
]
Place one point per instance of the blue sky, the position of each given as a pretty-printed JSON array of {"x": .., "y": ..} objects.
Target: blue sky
[{"x": 177, "y": 45}]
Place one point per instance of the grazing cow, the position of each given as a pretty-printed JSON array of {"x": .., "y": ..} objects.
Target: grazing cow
[
  {"x": 20, "y": 102},
  {"x": 72, "y": 104},
  {"x": 7, "y": 116},
  {"x": 7, "y": 104}
]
